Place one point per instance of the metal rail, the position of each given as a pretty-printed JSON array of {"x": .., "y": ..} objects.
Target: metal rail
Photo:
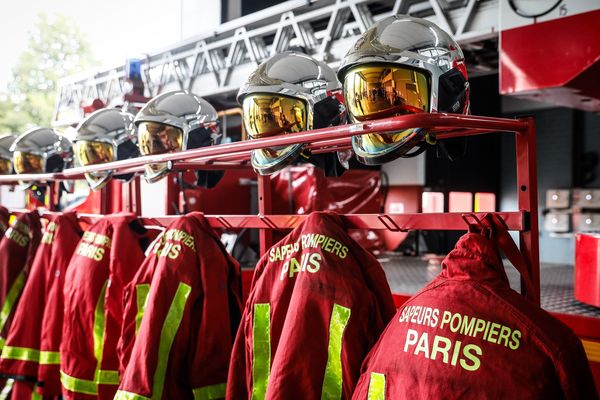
[{"x": 231, "y": 155}]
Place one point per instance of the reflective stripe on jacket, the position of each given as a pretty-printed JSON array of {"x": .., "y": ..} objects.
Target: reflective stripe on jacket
[
  {"x": 317, "y": 305},
  {"x": 468, "y": 335},
  {"x": 106, "y": 259},
  {"x": 17, "y": 251},
  {"x": 22, "y": 353}
]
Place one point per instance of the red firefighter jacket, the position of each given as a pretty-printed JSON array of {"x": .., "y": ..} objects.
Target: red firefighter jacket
[
  {"x": 4, "y": 218},
  {"x": 317, "y": 305},
  {"x": 17, "y": 252},
  {"x": 105, "y": 260},
  {"x": 468, "y": 335},
  {"x": 21, "y": 353},
  {"x": 191, "y": 316},
  {"x": 134, "y": 302}
]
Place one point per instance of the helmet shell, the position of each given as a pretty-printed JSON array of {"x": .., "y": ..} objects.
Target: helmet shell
[
  {"x": 414, "y": 42},
  {"x": 48, "y": 143}
]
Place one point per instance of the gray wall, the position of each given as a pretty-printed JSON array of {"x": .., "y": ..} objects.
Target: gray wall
[{"x": 562, "y": 135}]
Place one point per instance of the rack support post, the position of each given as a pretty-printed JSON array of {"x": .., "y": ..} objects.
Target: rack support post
[
  {"x": 264, "y": 208},
  {"x": 527, "y": 197}
]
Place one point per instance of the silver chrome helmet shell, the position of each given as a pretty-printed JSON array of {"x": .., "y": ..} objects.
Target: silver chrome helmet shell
[
  {"x": 6, "y": 142},
  {"x": 112, "y": 126},
  {"x": 45, "y": 142},
  {"x": 415, "y": 42},
  {"x": 296, "y": 75},
  {"x": 186, "y": 111}
]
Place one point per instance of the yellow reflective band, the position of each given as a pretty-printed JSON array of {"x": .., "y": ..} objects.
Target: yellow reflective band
[
  {"x": 124, "y": 395},
  {"x": 376, "y": 387},
  {"x": 2, "y": 342},
  {"x": 7, "y": 389},
  {"x": 106, "y": 377},
  {"x": 592, "y": 350},
  {"x": 99, "y": 322},
  {"x": 49, "y": 358},
  {"x": 332, "y": 383},
  {"x": 78, "y": 385},
  {"x": 167, "y": 336},
  {"x": 35, "y": 395},
  {"x": 141, "y": 295},
  {"x": 212, "y": 392},
  {"x": 20, "y": 353},
  {"x": 11, "y": 297},
  {"x": 89, "y": 387},
  {"x": 261, "y": 350}
]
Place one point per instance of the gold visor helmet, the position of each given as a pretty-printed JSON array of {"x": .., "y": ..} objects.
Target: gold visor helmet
[
  {"x": 288, "y": 93},
  {"x": 6, "y": 166},
  {"x": 104, "y": 136},
  {"x": 172, "y": 122},
  {"x": 401, "y": 65},
  {"x": 41, "y": 150}
]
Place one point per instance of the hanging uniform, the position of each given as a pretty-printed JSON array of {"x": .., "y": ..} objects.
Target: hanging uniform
[
  {"x": 192, "y": 313},
  {"x": 106, "y": 259},
  {"x": 318, "y": 304},
  {"x": 134, "y": 302},
  {"x": 22, "y": 353},
  {"x": 4, "y": 218},
  {"x": 17, "y": 251},
  {"x": 468, "y": 335}
]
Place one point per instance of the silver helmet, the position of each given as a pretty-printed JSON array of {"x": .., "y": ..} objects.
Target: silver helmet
[
  {"x": 104, "y": 136},
  {"x": 41, "y": 150},
  {"x": 402, "y": 65},
  {"x": 6, "y": 166},
  {"x": 174, "y": 121},
  {"x": 290, "y": 92}
]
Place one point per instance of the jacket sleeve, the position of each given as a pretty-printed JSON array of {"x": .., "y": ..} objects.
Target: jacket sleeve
[
  {"x": 574, "y": 373},
  {"x": 160, "y": 354}
]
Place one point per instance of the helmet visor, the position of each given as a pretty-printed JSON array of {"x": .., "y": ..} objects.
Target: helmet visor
[
  {"x": 5, "y": 166},
  {"x": 159, "y": 138},
  {"x": 268, "y": 115},
  {"x": 90, "y": 152},
  {"x": 374, "y": 91},
  {"x": 28, "y": 163}
]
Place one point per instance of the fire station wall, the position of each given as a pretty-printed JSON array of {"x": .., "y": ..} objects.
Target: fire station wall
[{"x": 555, "y": 170}]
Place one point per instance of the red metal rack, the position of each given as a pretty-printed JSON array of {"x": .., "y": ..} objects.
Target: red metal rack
[{"x": 236, "y": 155}]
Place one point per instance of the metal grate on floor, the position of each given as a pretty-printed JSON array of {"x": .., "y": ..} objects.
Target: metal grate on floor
[{"x": 407, "y": 275}]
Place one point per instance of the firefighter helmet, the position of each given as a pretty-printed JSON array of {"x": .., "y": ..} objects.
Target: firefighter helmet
[
  {"x": 174, "y": 121},
  {"x": 6, "y": 166},
  {"x": 290, "y": 92},
  {"x": 401, "y": 65},
  {"x": 104, "y": 136}
]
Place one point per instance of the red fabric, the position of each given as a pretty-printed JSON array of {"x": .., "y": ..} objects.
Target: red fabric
[
  {"x": 191, "y": 253},
  {"x": 57, "y": 246},
  {"x": 4, "y": 218},
  {"x": 68, "y": 233},
  {"x": 468, "y": 335},
  {"x": 304, "y": 189},
  {"x": 17, "y": 251},
  {"x": 301, "y": 303},
  {"x": 130, "y": 305},
  {"x": 109, "y": 251}
]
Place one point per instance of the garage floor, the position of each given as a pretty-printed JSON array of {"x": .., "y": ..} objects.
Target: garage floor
[{"x": 407, "y": 275}]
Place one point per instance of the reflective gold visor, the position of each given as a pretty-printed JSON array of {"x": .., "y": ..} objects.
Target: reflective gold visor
[
  {"x": 90, "y": 152},
  {"x": 158, "y": 138},
  {"x": 28, "y": 163},
  {"x": 268, "y": 115},
  {"x": 5, "y": 166},
  {"x": 376, "y": 91}
]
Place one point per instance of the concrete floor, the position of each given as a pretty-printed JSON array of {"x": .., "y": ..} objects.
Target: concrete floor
[{"x": 407, "y": 275}]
